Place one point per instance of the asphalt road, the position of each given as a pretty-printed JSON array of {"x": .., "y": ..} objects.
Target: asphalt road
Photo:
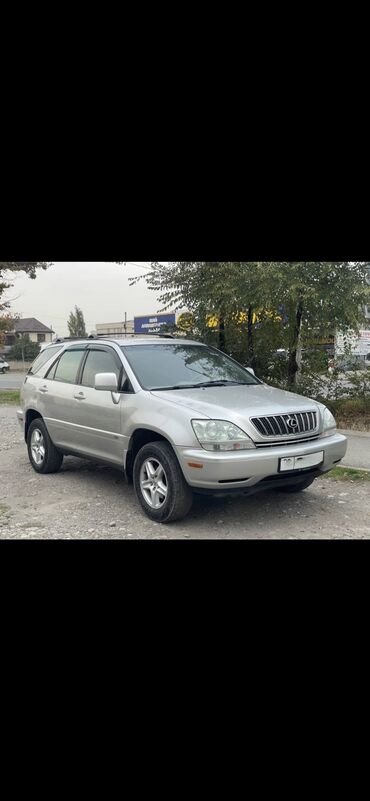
[
  {"x": 358, "y": 452},
  {"x": 85, "y": 500},
  {"x": 11, "y": 380}
]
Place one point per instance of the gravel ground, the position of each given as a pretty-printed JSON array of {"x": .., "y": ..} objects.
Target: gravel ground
[{"x": 91, "y": 501}]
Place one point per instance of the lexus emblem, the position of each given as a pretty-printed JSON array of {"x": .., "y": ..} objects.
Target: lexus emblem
[{"x": 292, "y": 423}]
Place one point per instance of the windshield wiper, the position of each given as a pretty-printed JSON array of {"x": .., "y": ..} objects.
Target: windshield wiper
[
  {"x": 202, "y": 385},
  {"x": 222, "y": 383},
  {"x": 176, "y": 386}
]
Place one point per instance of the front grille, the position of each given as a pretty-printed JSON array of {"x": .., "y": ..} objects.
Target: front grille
[
  {"x": 277, "y": 443},
  {"x": 283, "y": 425}
]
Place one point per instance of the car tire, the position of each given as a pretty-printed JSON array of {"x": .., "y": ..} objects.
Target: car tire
[
  {"x": 42, "y": 453},
  {"x": 297, "y": 486},
  {"x": 159, "y": 483}
]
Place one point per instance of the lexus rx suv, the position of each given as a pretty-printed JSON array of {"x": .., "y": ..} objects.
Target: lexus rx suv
[{"x": 177, "y": 416}]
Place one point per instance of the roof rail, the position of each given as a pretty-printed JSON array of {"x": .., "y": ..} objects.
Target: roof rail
[
  {"x": 70, "y": 339},
  {"x": 108, "y": 336},
  {"x": 129, "y": 334}
]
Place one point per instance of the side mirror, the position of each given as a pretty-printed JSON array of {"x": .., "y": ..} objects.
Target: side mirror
[
  {"x": 106, "y": 382},
  {"x": 250, "y": 370}
]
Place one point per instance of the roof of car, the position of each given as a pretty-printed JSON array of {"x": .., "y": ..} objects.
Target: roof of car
[{"x": 137, "y": 340}]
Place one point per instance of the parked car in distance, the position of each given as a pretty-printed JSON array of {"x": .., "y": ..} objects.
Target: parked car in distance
[
  {"x": 3, "y": 365},
  {"x": 178, "y": 417}
]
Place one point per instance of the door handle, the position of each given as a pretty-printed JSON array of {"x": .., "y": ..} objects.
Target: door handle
[
  {"x": 43, "y": 389},
  {"x": 80, "y": 396}
]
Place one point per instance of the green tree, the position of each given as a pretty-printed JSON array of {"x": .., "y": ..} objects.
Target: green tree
[
  {"x": 8, "y": 269},
  {"x": 24, "y": 349},
  {"x": 6, "y": 324},
  {"x": 213, "y": 292},
  {"x": 222, "y": 299},
  {"x": 252, "y": 309},
  {"x": 318, "y": 298},
  {"x": 76, "y": 323}
]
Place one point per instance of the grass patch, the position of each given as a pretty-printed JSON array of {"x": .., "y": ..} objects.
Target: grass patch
[
  {"x": 351, "y": 413},
  {"x": 348, "y": 474},
  {"x": 9, "y": 397},
  {"x": 354, "y": 423}
]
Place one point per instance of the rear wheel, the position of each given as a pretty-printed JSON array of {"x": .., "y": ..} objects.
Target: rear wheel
[
  {"x": 43, "y": 455},
  {"x": 297, "y": 486},
  {"x": 160, "y": 485}
]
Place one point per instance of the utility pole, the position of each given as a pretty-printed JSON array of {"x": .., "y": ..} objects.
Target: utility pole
[
  {"x": 125, "y": 325},
  {"x": 24, "y": 366}
]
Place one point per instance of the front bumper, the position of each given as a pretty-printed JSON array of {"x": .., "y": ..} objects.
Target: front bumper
[{"x": 232, "y": 471}]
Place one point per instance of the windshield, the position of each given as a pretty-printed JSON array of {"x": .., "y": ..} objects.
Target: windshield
[{"x": 171, "y": 366}]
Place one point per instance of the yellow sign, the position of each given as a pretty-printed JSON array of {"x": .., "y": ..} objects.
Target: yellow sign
[
  {"x": 212, "y": 322},
  {"x": 242, "y": 317}
]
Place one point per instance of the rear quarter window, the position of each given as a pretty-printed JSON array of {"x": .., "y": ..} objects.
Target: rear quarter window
[{"x": 43, "y": 358}]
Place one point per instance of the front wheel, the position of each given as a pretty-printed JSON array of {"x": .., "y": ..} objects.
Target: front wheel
[
  {"x": 160, "y": 485},
  {"x": 297, "y": 486}
]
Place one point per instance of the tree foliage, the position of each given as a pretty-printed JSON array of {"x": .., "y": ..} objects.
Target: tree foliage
[
  {"x": 318, "y": 299},
  {"x": 254, "y": 309},
  {"x": 9, "y": 268},
  {"x": 76, "y": 323},
  {"x": 6, "y": 324},
  {"x": 24, "y": 349}
]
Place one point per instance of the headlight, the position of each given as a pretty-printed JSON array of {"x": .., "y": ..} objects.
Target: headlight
[
  {"x": 330, "y": 425},
  {"x": 219, "y": 435}
]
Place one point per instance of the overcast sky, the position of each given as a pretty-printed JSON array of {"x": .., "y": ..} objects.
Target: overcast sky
[{"x": 101, "y": 289}]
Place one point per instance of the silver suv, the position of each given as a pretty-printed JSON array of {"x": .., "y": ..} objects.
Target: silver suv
[{"x": 177, "y": 416}]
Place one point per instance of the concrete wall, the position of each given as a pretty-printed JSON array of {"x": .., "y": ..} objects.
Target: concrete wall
[{"x": 18, "y": 366}]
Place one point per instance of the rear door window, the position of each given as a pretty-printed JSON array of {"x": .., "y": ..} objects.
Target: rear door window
[{"x": 68, "y": 366}]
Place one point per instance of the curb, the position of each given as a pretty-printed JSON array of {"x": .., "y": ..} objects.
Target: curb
[{"x": 350, "y": 467}]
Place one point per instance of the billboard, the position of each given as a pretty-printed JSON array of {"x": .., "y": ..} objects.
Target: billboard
[{"x": 154, "y": 323}]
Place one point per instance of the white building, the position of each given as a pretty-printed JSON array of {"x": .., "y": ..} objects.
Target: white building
[{"x": 104, "y": 329}]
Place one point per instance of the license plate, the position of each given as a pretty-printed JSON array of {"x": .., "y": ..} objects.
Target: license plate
[{"x": 301, "y": 462}]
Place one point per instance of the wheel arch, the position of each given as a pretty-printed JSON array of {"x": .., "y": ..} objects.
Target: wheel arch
[
  {"x": 31, "y": 415},
  {"x": 140, "y": 437}
]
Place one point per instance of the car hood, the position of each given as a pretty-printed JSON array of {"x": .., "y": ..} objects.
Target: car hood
[{"x": 239, "y": 402}]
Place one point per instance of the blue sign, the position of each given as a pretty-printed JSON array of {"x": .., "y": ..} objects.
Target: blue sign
[{"x": 154, "y": 323}]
